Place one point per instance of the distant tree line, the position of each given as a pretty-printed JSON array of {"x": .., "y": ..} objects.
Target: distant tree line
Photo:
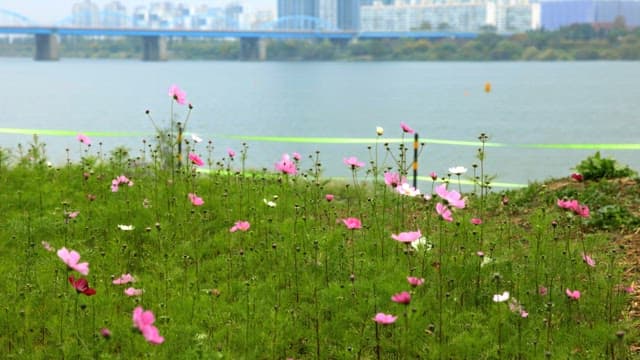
[{"x": 575, "y": 42}]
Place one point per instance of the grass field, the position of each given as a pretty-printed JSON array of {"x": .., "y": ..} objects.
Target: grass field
[{"x": 239, "y": 264}]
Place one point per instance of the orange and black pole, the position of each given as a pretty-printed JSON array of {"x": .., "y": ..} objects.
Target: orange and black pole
[{"x": 415, "y": 160}]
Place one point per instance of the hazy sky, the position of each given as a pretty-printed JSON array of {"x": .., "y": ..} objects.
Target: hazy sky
[{"x": 51, "y": 11}]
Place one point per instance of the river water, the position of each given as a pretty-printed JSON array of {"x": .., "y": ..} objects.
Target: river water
[{"x": 530, "y": 103}]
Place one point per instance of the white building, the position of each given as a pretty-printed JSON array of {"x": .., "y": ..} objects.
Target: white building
[{"x": 456, "y": 15}]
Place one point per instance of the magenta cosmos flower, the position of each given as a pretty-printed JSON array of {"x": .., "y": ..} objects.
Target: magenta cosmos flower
[
  {"x": 415, "y": 281},
  {"x": 143, "y": 321},
  {"x": 573, "y": 295},
  {"x": 82, "y": 286},
  {"x": 353, "y": 162},
  {"x": 352, "y": 223},
  {"x": 384, "y": 319},
  {"x": 286, "y": 165},
  {"x": 195, "y": 159},
  {"x": 406, "y": 128},
  {"x": 241, "y": 226},
  {"x": 124, "y": 279},
  {"x": 195, "y": 199},
  {"x": 83, "y": 139},
  {"x": 177, "y": 94},
  {"x": 402, "y": 298},
  {"x": 588, "y": 260},
  {"x": 407, "y": 237},
  {"x": 231, "y": 153},
  {"x": 577, "y": 177},
  {"x": 71, "y": 258}
]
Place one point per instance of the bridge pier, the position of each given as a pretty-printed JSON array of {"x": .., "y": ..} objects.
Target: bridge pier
[
  {"x": 253, "y": 48},
  {"x": 47, "y": 47},
  {"x": 154, "y": 48}
]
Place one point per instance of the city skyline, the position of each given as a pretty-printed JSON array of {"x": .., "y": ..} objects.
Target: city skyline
[{"x": 51, "y": 11}]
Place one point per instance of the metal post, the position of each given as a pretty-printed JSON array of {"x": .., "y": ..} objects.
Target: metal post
[{"x": 415, "y": 160}]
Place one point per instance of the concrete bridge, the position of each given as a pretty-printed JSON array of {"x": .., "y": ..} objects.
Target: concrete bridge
[{"x": 252, "y": 43}]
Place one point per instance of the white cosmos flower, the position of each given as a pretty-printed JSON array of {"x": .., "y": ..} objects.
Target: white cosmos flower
[
  {"x": 422, "y": 243},
  {"x": 196, "y": 139},
  {"x": 125, "y": 227},
  {"x": 379, "y": 130},
  {"x": 269, "y": 203},
  {"x": 501, "y": 298},
  {"x": 458, "y": 170},
  {"x": 408, "y": 190},
  {"x": 486, "y": 261}
]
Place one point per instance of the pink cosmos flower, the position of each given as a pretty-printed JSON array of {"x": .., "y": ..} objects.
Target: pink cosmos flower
[
  {"x": 415, "y": 281},
  {"x": 73, "y": 214},
  {"x": 133, "y": 291},
  {"x": 573, "y": 295},
  {"x": 84, "y": 139},
  {"x": 296, "y": 156},
  {"x": 195, "y": 199},
  {"x": 476, "y": 221},
  {"x": 329, "y": 197},
  {"x": 575, "y": 206},
  {"x": 352, "y": 223},
  {"x": 177, "y": 94},
  {"x": 115, "y": 183},
  {"x": 105, "y": 333},
  {"x": 406, "y": 128},
  {"x": 567, "y": 204},
  {"x": 353, "y": 162},
  {"x": 384, "y": 319},
  {"x": 583, "y": 211},
  {"x": 577, "y": 177},
  {"x": 588, "y": 260},
  {"x": 286, "y": 166},
  {"x": 124, "y": 279},
  {"x": 444, "y": 212},
  {"x": 231, "y": 153},
  {"x": 143, "y": 320},
  {"x": 452, "y": 197},
  {"x": 82, "y": 286},
  {"x": 543, "y": 291},
  {"x": 71, "y": 259},
  {"x": 240, "y": 225},
  {"x": 402, "y": 298},
  {"x": 407, "y": 237},
  {"x": 433, "y": 176},
  {"x": 195, "y": 159},
  {"x": 393, "y": 179}
]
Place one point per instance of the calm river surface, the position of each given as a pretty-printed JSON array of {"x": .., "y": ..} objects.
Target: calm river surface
[{"x": 530, "y": 103}]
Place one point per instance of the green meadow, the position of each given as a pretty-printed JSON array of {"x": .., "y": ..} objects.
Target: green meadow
[{"x": 235, "y": 263}]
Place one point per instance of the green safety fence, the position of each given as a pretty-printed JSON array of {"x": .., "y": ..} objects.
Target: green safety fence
[{"x": 340, "y": 140}]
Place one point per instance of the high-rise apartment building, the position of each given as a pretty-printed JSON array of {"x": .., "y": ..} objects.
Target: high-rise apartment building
[
  {"x": 348, "y": 13},
  {"x": 114, "y": 15},
  {"x": 319, "y": 14},
  {"x": 85, "y": 14},
  {"x": 298, "y": 14}
]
